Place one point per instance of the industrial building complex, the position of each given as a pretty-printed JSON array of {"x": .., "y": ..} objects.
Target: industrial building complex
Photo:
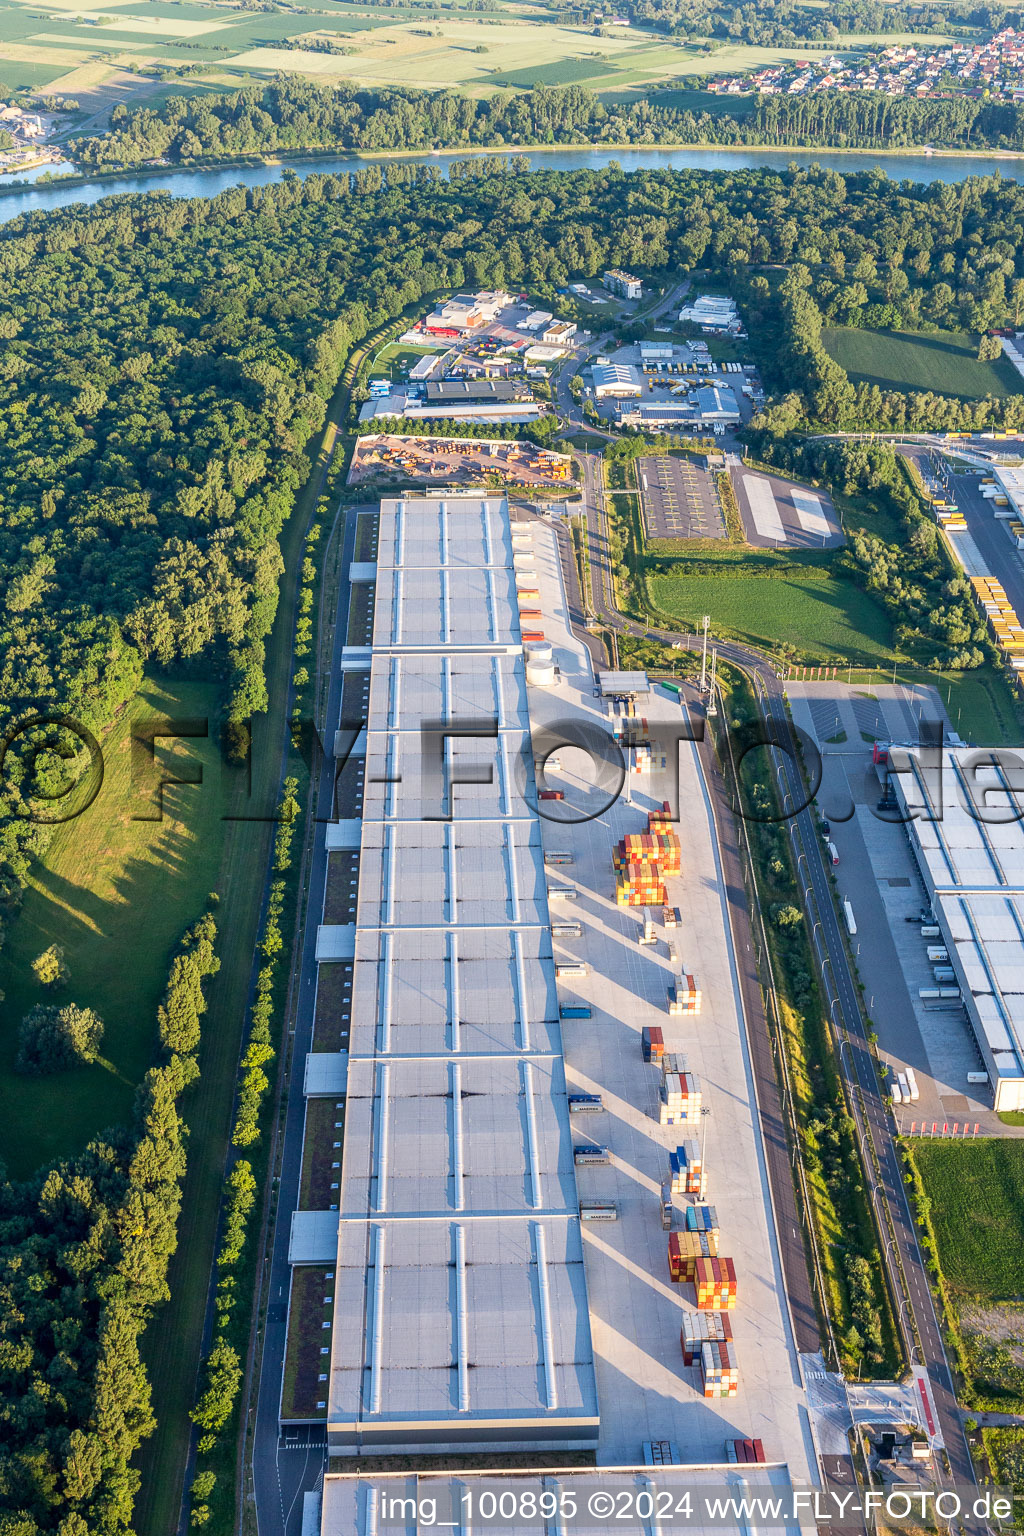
[
  {"x": 964, "y": 822},
  {"x": 460, "y": 1298},
  {"x": 550, "y": 1226}
]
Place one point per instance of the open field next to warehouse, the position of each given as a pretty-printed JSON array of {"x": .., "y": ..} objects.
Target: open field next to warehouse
[
  {"x": 823, "y": 617},
  {"x": 974, "y": 1192},
  {"x": 944, "y": 362}
]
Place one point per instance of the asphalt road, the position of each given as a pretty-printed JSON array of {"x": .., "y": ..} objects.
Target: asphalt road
[{"x": 281, "y": 1471}]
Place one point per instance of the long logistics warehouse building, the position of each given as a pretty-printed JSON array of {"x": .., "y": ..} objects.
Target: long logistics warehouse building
[
  {"x": 963, "y": 808},
  {"x": 461, "y": 1319}
]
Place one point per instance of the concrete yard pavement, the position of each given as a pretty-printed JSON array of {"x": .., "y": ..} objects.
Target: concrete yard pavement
[
  {"x": 877, "y": 874},
  {"x": 644, "y": 1390}
]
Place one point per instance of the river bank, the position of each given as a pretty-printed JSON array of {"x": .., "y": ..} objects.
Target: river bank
[{"x": 205, "y": 178}]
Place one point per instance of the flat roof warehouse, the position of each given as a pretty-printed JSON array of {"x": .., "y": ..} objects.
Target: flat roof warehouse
[
  {"x": 460, "y": 1304},
  {"x": 967, "y": 837}
]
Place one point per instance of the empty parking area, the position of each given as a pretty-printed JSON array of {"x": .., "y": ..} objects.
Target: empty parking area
[
  {"x": 679, "y": 499},
  {"x": 777, "y": 511}
]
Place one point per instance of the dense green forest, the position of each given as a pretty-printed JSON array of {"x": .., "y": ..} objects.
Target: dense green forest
[
  {"x": 164, "y": 363},
  {"x": 84, "y": 1249},
  {"x": 297, "y": 114}
]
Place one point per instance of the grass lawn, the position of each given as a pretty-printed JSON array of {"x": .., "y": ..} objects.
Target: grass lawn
[
  {"x": 116, "y": 893},
  {"x": 395, "y": 361},
  {"x": 945, "y": 362},
  {"x": 822, "y": 616},
  {"x": 977, "y": 1194}
]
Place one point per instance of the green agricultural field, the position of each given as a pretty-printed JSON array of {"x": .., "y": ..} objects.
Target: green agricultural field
[
  {"x": 944, "y": 362},
  {"x": 14, "y": 74},
  {"x": 510, "y": 46},
  {"x": 115, "y": 892},
  {"x": 976, "y": 1190},
  {"x": 823, "y": 617}
]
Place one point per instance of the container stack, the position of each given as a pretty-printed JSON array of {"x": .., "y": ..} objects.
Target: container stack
[
  {"x": 686, "y": 1249},
  {"x": 642, "y": 758},
  {"x": 715, "y": 1282},
  {"x": 685, "y": 997},
  {"x": 679, "y": 1099},
  {"x": 702, "y": 1218},
  {"x": 687, "y": 1169},
  {"x": 674, "y": 1061},
  {"x": 639, "y": 885},
  {"x": 660, "y": 849},
  {"x": 718, "y": 1369},
  {"x": 745, "y": 1451},
  {"x": 701, "y": 1328},
  {"x": 653, "y": 1042}
]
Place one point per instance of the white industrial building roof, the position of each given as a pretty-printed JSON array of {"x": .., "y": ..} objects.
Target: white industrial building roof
[
  {"x": 461, "y": 1317},
  {"x": 1012, "y": 481},
  {"x": 616, "y": 378},
  {"x": 966, "y": 831},
  {"x": 370, "y": 1504},
  {"x": 715, "y": 402}
]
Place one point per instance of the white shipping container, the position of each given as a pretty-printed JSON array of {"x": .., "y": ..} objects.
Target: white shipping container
[{"x": 937, "y": 953}]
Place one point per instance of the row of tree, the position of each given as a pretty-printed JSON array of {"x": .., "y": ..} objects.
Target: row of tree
[
  {"x": 222, "y": 1370},
  {"x": 295, "y": 114},
  {"x": 84, "y": 1250},
  {"x": 781, "y": 23}
]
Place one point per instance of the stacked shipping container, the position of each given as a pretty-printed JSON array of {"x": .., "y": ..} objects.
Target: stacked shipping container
[
  {"x": 718, "y": 1370},
  {"x": 715, "y": 1282},
  {"x": 653, "y": 1042},
  {"x": 679, "y": 1099},
  {"x": 701, "y": 1328},
  {"x": 684, "y": 1250},
  {"x": 687, "y": 1169}
]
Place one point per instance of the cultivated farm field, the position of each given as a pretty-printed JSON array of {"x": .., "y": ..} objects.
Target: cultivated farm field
[{"x": 511, "y": 46}]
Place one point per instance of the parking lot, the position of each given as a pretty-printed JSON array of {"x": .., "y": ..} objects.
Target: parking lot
[
  {"x": 679, "y": 499},
  {"x": 776, "y": 511},
  {"x": 877, "y": 873}
]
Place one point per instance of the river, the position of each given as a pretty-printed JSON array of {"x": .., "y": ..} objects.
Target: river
[{"x": 200, "y": 182}]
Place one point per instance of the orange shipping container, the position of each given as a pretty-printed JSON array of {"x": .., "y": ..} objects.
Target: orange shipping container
[{"x": 715, "y": 1282}]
